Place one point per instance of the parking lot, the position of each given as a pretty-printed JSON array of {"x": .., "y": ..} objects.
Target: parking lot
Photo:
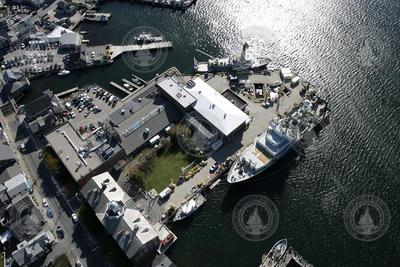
[
  {"x": 88, "y": 108},
  {"x": 34, "y": 59}
]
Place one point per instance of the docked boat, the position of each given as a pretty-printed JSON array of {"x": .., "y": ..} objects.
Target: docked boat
[
  {"x": 129, "y": 87},
  {"x": 63, "y": 72},
  {"x": 148, "y": 38},
  {"x": 281, "y": 137},
  {"x": 281, "y": 255},
  {"x": 232, "y": 63},
  {"x": 275, "y": 254},
  {"x": 189, "y": 207}
]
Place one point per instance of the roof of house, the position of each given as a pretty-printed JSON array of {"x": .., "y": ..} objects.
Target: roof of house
[
  {"x": 215, "y": 108},
  {"x": 5, "y": 151},
  {"x": 38, "y": 105},
  {"x": 15, "y": 181},
  {"x": 9, "y": 171},
  {"x": 28, "y": 250},
  {"x": 116, "y": 210}
]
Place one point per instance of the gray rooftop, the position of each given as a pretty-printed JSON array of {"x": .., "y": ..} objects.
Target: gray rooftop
[
  {"x": 6, "y": 153},
  {"x": 70, "y": 39},
  {"x": 152, "y": 111},
  {"x": 96, "y": 143}
]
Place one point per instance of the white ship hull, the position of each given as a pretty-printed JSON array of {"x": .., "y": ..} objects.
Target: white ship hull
[{"x": 231, "y": 175}]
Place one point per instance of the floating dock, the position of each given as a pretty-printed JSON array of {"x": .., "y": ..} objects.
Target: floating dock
[
  {"x": 213, "y": 185},
  {"x": 123, "y": 89},
  {"x": 117, "y": 50}
]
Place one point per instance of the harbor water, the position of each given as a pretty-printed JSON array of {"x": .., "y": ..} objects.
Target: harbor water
[{"x": 350, "y": 51}]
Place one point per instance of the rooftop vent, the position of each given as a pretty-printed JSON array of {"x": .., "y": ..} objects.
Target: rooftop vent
[
  {"x": 136, "y": 227},
  {"x": 122, "y": 111}
]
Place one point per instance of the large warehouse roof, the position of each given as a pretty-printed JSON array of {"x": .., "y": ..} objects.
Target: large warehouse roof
[{"x": 224, "y": 115}]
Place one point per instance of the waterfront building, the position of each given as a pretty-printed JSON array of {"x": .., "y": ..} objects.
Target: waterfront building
[{"x": 119, "y": 215}]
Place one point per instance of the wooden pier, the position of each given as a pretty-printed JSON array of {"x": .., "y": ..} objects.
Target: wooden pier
[
  {"x": 119, "y": 49},
  {"x": 123, "y": 89}
]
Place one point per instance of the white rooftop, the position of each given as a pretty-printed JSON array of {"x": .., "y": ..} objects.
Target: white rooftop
[
  {"x": 286, "y": 73},
  {"x": 57, "y": 32},
  {"x": 218, "y": 110},
  {"x": 113, "y": 191},
  {"x": 177, "y": 92},
  {"x": 15, "y": 182}
]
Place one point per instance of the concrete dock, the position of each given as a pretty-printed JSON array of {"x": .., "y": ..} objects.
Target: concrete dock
[{"x": 117, "y": 50}]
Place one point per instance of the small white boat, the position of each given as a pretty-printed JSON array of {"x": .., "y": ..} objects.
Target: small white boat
[
  {"x": 63, "y": 72},
  {"x": 189, "y": 207},
  {"x": 127, "y": 86}
]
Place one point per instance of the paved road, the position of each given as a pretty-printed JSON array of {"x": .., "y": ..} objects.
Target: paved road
[{"x": 76, "y": 241}]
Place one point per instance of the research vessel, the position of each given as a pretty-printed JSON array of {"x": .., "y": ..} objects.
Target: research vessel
[
  {"x": 282, "y": 135},
  {"x": 231, "y": 63}
]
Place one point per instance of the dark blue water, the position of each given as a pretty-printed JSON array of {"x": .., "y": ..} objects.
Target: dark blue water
[{"x": 350, "y": 51}]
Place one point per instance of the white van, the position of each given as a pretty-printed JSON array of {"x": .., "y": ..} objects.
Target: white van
[{"x": 68, "y": 106}]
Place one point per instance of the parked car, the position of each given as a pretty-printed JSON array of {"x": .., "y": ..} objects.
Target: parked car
[
  {"x": 60, "y": 232},
  {"x": 44, "y": 202},
  {"x": 74, "y": 218},
  {"x": 214, "y": 167},
  {"x": 49, "y": 213}
]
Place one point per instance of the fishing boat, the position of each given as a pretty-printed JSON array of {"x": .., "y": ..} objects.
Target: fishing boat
[{"x": 189, "y": 207}]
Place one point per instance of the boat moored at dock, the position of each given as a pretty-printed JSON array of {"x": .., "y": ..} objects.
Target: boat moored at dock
[
  {"x": 275, "y": 254},
  {"x": 231, "y": 63},
  {"x": 281, "y": 255},
  {"x": 282, "y": 135},
  {"x": 189, "y": 207}
]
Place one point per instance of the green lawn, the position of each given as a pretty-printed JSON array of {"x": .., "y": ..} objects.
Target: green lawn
[{"x": 167, "y": 166}]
